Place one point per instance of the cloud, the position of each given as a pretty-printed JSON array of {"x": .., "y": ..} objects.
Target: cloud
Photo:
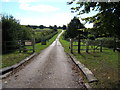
[
  {"x": 20, "y": 1},
  {"x": 26, "y": 1},
  {"x": 55, "y": 19},
  {"x": 38, "y": 8}
]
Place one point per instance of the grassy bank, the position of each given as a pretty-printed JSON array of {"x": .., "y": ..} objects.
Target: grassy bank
[
  {"x": 104, "y": 65},
  {"x": 15, "y": 57}
]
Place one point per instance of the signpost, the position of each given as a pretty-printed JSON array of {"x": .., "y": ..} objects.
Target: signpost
[{"x": 27, "y": 43}]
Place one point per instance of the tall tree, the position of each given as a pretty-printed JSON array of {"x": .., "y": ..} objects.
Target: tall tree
[
  {"x": 73, "y": 26},
  {"x": 41, "y": 26},
  {"x": 10, "y": 28},
  {"x": 64, "y": 27},
  {"x": 108, "y": 18},
  {"x": 55, "y": 28}
]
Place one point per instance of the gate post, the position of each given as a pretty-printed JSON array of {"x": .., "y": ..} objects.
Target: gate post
[
  {"x": 101, "y": 46},
  {"x": 114, "y": 48},
  {"x": 87, "y": 46},
  {"x": 71, "y": 45},
  {"x": 20, "y": 46},
  {"x": 33, "y": 44},
  {"x": 79, "y": 44}
]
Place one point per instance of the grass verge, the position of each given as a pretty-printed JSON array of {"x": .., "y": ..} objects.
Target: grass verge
[
  {"x": 15, "y": 57},
  {"x": 104, "y": 65}
]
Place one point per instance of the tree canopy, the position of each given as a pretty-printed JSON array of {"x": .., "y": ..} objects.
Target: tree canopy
[
  {"x": 73, "y": 26},
  {"x": 107, "y": 21}
]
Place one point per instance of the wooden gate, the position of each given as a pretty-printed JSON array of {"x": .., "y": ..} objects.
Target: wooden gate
[
  {"x": 24, "y": 45},
  {"x": 19, "y": 45}
]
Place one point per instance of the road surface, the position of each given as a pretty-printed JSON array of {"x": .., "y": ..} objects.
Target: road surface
[{"x": 50, "y": 69}]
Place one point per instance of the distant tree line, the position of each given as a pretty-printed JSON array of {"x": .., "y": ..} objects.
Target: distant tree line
[
  {"x": 12, "y": 32},
  {"x": 51, "y": 27}
]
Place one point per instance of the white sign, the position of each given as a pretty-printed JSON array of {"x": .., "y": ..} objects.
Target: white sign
[{"x": 28, "y": 43}]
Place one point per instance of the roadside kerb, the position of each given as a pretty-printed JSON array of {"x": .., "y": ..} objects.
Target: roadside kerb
[
  {"x": 89, "y": 75},
  {"x": 8, "y": 69},
  {"x": 88, "y": 86}
]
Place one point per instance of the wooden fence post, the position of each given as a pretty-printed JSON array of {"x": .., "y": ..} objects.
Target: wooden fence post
[
  {"x": 33, "y": 44},
  {"x": 20, "y": 46},
  {"x": 94, "y": 46},
  {"x": 114, "y": 44},
  {"x": 71, "y": 46},
  {"x": 87, "y": 46},
  {"x": 5, "y": 46},
  {"x": 101, "y": 46},
  {"x": 79, "y": 44}
]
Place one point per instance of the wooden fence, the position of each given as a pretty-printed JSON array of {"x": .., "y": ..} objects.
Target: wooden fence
[
  {"x": 20, "y": 45},
  {"x": 87, "y": 45}
]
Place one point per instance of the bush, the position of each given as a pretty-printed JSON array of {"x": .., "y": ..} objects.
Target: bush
[
  {"x": 44, "y": 35},
  {"x": 12, "y": 31},
  {"x": 106, "y": 42}
]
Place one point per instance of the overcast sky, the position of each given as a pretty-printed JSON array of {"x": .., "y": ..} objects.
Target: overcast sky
[{"x": 40, "y": 12}]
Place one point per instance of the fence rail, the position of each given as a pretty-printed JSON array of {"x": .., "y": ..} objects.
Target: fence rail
[
  {"x": 88, "y": 45},
  {"x": 18, "y": 45}
]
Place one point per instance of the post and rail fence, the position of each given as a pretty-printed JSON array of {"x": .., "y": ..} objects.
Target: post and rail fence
[
  {"x": 19, "y": 45},
  {"x": 87, "y": 45}
]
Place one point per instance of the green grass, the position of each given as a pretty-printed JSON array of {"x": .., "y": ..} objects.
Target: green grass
[
  {"x": 104, "y": 65},
  {"x": 15, "y": 57}
]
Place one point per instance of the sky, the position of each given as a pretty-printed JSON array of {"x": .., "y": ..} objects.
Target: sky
[{"x": 41, "y": 12}]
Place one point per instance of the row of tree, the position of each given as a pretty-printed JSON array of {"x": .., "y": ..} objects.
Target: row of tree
[{"x": 51, "y": 27}]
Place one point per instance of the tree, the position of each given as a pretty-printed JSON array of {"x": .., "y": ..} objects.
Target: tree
[
  {"x": 73, "y": 26},
  {"x": 59, "y": 27},
  {"x": 41, "y": 27},
  {"x": 13, "y": 31},
  {"x": 55, "y": 28},
  {"x": 25, "y": 33},
  {"x": 64, "y": 27},
  {"x": 51, "y": 27},
  {"x": 10, "y": 28},
  {"x": 106, "y": 21}
]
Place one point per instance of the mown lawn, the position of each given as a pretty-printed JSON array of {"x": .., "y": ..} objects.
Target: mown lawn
[
  {"x": 104, "y": 65},
  {"x": 15, "y": 57}
]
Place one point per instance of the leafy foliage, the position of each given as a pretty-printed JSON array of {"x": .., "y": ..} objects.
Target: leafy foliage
[
  {"x": 12, "y": 31},
  {"x": 44, "y": 35},
  {"x": 73, "y": 26},
  {"x": 64, "y": 27},
  {"x": 107, "y": 21}
]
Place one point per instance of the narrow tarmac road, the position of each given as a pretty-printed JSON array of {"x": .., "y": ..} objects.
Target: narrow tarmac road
[{"x": 50, "y": 69}]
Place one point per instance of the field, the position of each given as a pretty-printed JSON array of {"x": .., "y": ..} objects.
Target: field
[
  {"x": 42, "y": 29},
  {"x": 104, "y": 65}
]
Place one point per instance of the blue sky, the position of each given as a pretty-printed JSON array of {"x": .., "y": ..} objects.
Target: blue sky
[{"x": 40, "y": 12}]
